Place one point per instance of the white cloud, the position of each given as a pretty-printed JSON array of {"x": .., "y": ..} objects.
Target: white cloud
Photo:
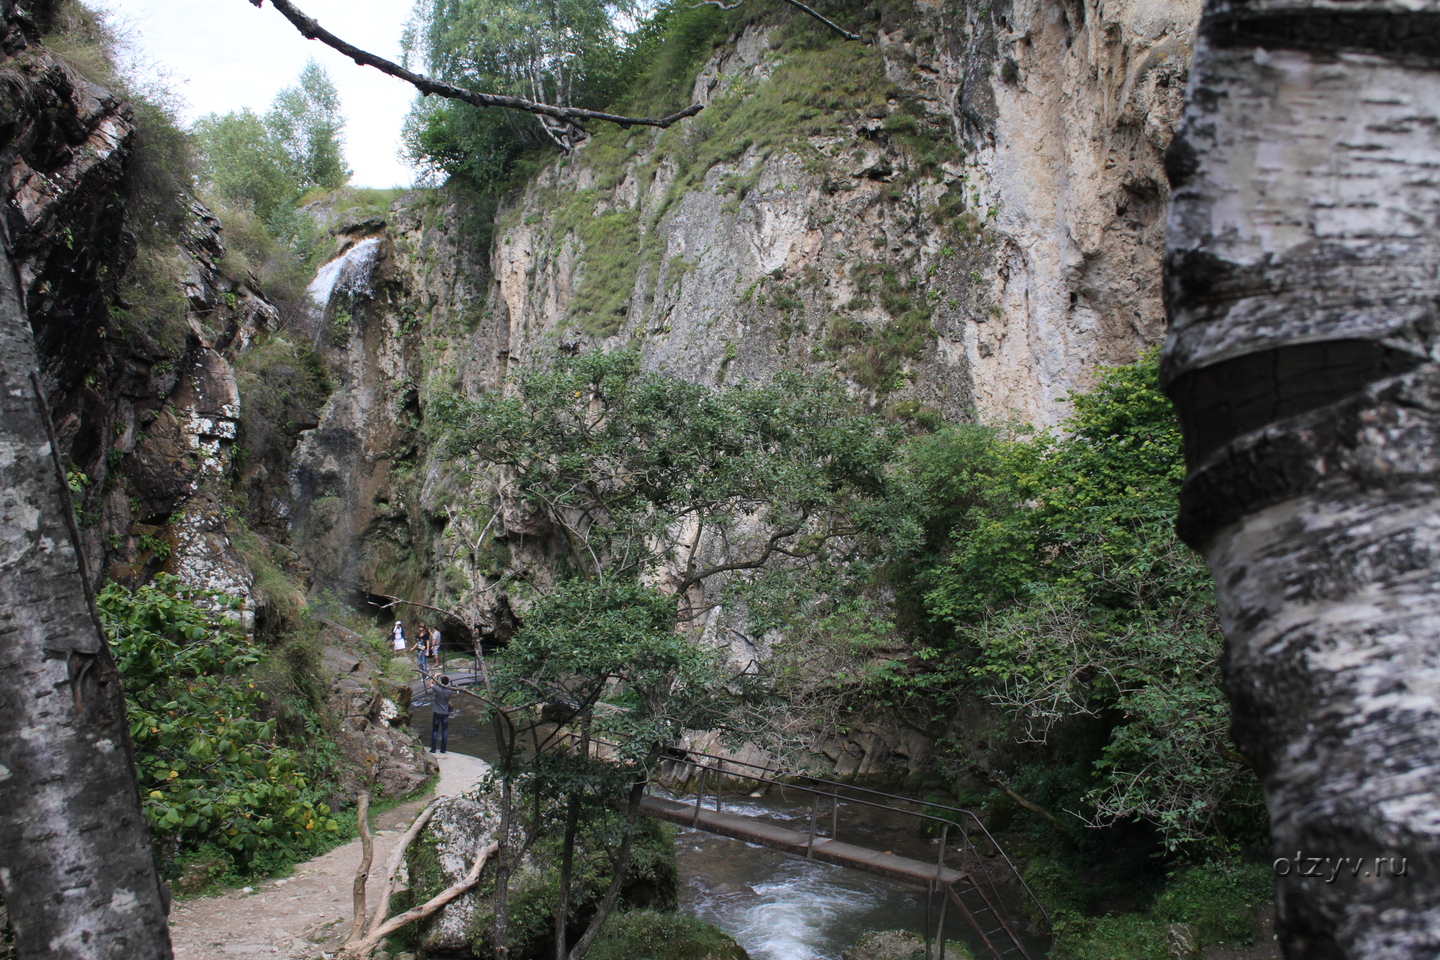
[{"x": 222, "y": 55}]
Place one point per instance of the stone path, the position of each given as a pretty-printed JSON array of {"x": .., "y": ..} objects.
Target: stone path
[{"x": 307, "y": 914}]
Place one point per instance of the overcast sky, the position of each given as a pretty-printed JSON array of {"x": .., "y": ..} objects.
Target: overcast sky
[{"x": 221, "y": 55}]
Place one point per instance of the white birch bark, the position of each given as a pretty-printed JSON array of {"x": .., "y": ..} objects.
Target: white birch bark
[
  {"x": 76, "y": 868},
  {"x": 1303, "y": 282}
]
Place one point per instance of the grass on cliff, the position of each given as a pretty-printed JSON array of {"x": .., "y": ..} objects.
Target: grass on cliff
[{"x": 817, "y": 84}]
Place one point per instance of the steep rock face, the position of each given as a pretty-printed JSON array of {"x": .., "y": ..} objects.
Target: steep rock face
[
  {"x": 962, "y": 220},
  {"x": 965, "y": 229},
  {"x": 142, "y": 394},
  {"x": 140, "y": 339},
  {"x": 1086, "y": 96}
]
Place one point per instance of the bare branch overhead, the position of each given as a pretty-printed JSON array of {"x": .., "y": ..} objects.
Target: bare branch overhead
[
  {"x": 312, "y": 30},
  {"x": 811, "y": 11}
]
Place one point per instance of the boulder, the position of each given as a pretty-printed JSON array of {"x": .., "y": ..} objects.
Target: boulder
[
  {"x": 900, "y": 945},
  {"x": 462, "y": 825}
]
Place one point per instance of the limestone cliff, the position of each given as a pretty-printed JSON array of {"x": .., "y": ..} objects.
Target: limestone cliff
[
  {"x": 961, "y": 218},
  {"x": 146, "y": 339}
]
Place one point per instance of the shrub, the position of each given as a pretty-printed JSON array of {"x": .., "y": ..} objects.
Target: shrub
[{"x": 211, "y": 772}]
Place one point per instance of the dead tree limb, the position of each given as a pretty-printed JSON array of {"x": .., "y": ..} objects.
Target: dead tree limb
[
  {"x": 311, "y": 30},
  {"x": 985, "y": 776},
  {"x": 811, "y": 11},
  {"x": 392, "y": 867},
  {"x": 357, "y": 951},
  {"x": 362, "y": 873},
  {"x": 794, "y": 3}
]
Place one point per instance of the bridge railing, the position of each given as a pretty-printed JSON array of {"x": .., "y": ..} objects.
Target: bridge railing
[{"x": 963, "y": 820}]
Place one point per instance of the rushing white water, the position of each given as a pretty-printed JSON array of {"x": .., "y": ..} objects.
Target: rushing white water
[
  {"x": 780, "y": 907},
  {"x": 348, "y": 274}
]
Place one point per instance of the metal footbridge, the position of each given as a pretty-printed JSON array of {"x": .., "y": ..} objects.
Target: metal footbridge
[
  {"x": 968, "y": 886},
  {"x": 965, "y": 882}
]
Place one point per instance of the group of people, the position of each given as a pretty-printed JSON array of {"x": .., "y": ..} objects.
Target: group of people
[{"x": 427, "y": 645}]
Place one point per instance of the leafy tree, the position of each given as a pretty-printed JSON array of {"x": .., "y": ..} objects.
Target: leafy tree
[
  {"x": 566, "y": 54},
  {"x": 269, "y": 162},
  {"x": 1063, "y": 579},
  {"x": 241, "y": 162},
  {"x": 305, "y": 120},
  {"x": 650, "y": 489}
]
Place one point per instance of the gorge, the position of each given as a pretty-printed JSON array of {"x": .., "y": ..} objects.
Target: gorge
[{"x": 958, "y": 221}]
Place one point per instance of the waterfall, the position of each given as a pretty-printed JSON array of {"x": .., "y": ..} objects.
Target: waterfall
[{"x": 347, "y": 275}]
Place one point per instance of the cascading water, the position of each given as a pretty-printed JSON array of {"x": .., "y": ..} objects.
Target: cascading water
[
  {"x": 348, "y": 275},
  {"x": 780, "y": 907}
]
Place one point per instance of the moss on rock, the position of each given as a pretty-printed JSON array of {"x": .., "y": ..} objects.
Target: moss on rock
[{"x": 655, "y": 935}]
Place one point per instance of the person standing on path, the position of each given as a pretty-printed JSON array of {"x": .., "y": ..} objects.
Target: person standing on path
[
  {"x": 440, "y": 714},
  {"x": 397, "y": 636},
  {"x": 422, "y": 647}
]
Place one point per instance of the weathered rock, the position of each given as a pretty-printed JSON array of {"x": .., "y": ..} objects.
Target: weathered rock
[
  {"x": 374, "y": 730},
  {"x": 462, "y": 825},
  {"x": 899, "y": 945}
]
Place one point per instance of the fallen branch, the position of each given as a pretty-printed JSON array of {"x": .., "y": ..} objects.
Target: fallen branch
[
  {"x": 362, "y": 873},
  {"x": 811, "y": 11},
  {"x": 392, "y": 867},
  {"x": 985, "y": 776},
  {"x": 357, "y": 951},
  {"x": 311, "y": 30}
]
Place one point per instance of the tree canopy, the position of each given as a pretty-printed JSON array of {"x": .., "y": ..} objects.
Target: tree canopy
[{"x": 269, "y": 161}]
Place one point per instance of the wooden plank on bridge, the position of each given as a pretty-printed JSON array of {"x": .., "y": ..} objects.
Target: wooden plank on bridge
[{"x": 781, "y": 838}]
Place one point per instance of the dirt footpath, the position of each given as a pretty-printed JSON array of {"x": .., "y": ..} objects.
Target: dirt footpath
[{"x": 305, "y": 915}]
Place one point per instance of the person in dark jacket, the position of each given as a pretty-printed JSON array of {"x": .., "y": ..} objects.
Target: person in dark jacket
[{"x": 440, "y": 714}]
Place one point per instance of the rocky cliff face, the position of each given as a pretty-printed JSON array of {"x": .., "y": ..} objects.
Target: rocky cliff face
[
  {"x": 962, "y": 219},
  {"x": 143, "y": 333},
  {"x": 136, "y": 334}
]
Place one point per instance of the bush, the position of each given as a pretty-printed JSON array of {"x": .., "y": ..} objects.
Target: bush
[
  {"x": 649, "y": 935},
  {"x": 1074, "y": 603},
  {"x": 1216, "y": 904},
  {"x": 212, "y": 774}
]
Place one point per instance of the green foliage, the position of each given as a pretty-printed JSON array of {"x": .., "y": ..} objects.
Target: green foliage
[
  {"x": 567, "y": 54},
  {"x": 1217, "y": 903},
  {"x": 211, "y": 771},
  {"x": 155, "y": 318},
  {"x": 634, "y": 452},
  {"x": 242, "y": 162},
  {"x": 305, "y": 122},
  {"x": 1050, "y": 574},
  {"x": 589, "y": 636},
  {"x": 267, "y": 162},
  {"x": 650, "y": 935},
  {"x": 282, "y": 386},
  {"x": 282, "y": 255}
]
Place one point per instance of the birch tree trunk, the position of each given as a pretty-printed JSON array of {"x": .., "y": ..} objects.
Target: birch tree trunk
[
  {"x": 1303, "y": 284},
  {"x": 76, "y": 868}
]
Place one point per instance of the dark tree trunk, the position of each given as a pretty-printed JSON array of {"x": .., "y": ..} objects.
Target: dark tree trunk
[
  {"x": 76, "y": 867},
  {"x": 1303, "y": 284}
]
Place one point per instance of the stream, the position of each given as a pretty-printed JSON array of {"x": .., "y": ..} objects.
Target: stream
[{"x": 776, "y": 906}]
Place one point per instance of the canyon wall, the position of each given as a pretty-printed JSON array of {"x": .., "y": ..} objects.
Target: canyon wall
[{"x": 961, "y": 219}]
